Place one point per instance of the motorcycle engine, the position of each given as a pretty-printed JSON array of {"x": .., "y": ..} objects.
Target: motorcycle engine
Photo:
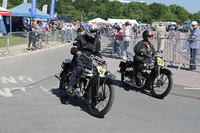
[{"x": 129, "y": 73}]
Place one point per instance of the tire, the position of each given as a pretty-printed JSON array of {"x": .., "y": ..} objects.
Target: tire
[
  {"x": 122, "y": 79},
  {"x": 63, "y": 84},
  {"x": 93, "y": 107},
  {"x": 167, "y": 82}
]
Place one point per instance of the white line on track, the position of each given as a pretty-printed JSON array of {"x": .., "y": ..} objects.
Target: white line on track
[
  {"x": 45, "y": 90},
  {"x": 187, "y": 88}
]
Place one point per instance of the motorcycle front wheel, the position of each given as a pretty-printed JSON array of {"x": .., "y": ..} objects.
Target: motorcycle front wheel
[
  {"x": 101, "y": 104},
  {"x": 63, "y": 84},
  {"x": 161, "y": 85}
]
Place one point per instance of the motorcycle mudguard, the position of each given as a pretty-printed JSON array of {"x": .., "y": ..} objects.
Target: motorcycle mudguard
[
  {"x": 167, "y": 71},
  {"x": 66, "y": 65},
  {"x": 164, "y": 70},
  {"x": 124, "y": 65},
  {"x": 107, "y": 79}
]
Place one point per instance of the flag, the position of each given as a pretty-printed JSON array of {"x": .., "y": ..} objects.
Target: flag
[
  {"x": 5, "y": 2},
  {"x": 55, "y": 15},
  {"x": 34, "y": 5},
  {"x": 52, "y": 9},
  {"x": 25, "y": 1},
  {"x": 44, "y": 8},
  {"x": 81, "y": 18}
]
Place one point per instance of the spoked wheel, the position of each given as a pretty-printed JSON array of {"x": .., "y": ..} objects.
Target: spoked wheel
[
  {"x": 123, "y": 79},
  {"x": 63, "y": 85},
  {"x": 101, "y": 104},
  {"x": 161, "y": 85}
]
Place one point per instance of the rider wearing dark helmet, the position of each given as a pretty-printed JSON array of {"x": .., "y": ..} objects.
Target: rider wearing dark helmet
[
  {"x": 86, "y": 42},
  {"x": 144, "y": 51}
]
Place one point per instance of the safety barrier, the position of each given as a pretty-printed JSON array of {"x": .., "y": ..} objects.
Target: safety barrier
[
  {"x": 23, "y": 41},
  {"x": 3, "y": 43},
  {"x": 168, "y": 52},
  {"x": 174, "y": 52},
  {"x": 184, "y": 52}
]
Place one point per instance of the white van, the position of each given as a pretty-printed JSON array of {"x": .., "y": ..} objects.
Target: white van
[{"x": 187, "y": 25}]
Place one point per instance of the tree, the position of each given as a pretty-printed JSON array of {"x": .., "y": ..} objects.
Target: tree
[
  {"x": 160, "y": 12},
  {"x": 180, "y": 13},
  {"x": 114, "y": 9},
  {"x": 196, "y": 16},
  {"x": 138, "y": 11}
]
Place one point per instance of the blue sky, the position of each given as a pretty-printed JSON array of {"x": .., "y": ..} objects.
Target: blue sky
[{"x": 191, "y": 6}]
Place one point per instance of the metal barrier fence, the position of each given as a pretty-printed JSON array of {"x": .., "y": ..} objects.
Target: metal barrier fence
[
  {"x": 173, "y": 53},
  {"x": 3, "y": 43},
  {"x": 174, "y": 48},
  {"x": 22, "y": 41}
]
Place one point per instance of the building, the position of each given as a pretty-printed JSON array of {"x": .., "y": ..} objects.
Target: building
[{"x": 127, "y": 1}]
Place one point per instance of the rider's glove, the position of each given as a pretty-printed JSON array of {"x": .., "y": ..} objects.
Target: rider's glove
[
  {"x": 74, "y": 50},
  {"x": 78, "y": 53}
]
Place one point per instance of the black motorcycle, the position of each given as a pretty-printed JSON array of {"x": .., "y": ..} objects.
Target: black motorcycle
[
  {"x": 94, "y": 86},
  {"x": 155, "y": 77}
]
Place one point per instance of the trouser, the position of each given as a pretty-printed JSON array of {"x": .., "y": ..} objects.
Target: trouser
[
  {"x": 135, "y": 34},
  {"x": 139, "y": 67},
  {"x": 62, "y": 35},
  {"x": 121, "y": 48},
  {"x": 193, "y": 54},
  {"x": 126, "y": 45},
  {"x": 33, "y": 40},
  {"x": 77, "y": 65},
  {"x": 160, "y": 42}
]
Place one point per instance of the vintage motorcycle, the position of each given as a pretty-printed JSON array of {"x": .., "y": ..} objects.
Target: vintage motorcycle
[
  {"x": 155, "y": 77},
  {"x": 94, "y": 86}
]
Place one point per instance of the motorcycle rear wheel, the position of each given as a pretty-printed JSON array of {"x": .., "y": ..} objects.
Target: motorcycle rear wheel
[{"x": 100, "y": 105}]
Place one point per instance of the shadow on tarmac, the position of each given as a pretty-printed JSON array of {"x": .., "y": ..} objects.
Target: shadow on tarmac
[
  {"x": 128, "y": 87},
  {"x": 69, "y": 100},
  {"x": 72, "y": 101}
]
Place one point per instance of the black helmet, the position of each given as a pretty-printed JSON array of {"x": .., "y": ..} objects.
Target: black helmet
[{"x": 146, "y": 34}]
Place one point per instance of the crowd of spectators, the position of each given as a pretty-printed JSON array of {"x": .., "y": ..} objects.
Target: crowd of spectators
[{"x": 40, "y": 33}]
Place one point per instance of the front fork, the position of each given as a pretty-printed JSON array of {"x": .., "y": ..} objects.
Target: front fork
[{"x": 158, "y": 83}]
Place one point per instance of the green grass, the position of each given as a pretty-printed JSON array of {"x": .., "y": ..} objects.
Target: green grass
[
  {"x": 2, "y": 41},
  {"x": 13, "y": 40}
]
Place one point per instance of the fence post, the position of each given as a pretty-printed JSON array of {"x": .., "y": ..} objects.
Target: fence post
[
  {"x": 7, "y": 42},
  {"x": 27, "y": 36}
]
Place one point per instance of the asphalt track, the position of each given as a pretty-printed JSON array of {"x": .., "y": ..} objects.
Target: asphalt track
[{"x": 30, "y": 103}]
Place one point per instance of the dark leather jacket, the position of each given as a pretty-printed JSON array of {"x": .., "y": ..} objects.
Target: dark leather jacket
[
  {"x": 143, "y": 51},
  {"x": 86, "y": 45}
]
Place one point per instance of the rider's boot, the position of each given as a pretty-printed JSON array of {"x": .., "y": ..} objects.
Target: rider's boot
[
  {"x": 133, "y": 77},
  {"x": 69, "y": 89}
]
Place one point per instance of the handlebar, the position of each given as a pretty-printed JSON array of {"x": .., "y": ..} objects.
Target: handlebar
[{"x": 96, "y": 58}]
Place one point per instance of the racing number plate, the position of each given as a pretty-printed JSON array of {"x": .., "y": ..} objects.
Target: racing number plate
[
  {"x": 160, "y": 62},
  {"x": 101, "y": 71}
]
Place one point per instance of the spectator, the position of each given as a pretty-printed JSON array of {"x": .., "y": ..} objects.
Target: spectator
[
  {"x": 135, "y": 30},
  {"x": 47, "y": 32},
  {"x": 128, "y": 26},
  {"x": 194, "y": 45},
  {"x": 127, "y": 40},
  {"x": 39, "y": 34},
  {"x": 114, "y": 40},
  {"x": 69, "y": 32},
  {"x": 120, "y": 40},
  {"x": 63, "y": 32},
  {"x": 80, "y": 29},
  {"x": 75, "y": 28},
  {"x": 160, "y": 34},
  {"x": 32, "y": 35}
]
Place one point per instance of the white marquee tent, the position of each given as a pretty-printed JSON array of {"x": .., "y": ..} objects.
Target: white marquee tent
[
  {"x": 132, "y": 21},
  {"x": 98, "y": 20}
]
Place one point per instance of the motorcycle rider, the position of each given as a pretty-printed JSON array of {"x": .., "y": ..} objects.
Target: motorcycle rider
[
  {"x": 144, "y": 52},
  {"x": 86, "y": 42}
]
